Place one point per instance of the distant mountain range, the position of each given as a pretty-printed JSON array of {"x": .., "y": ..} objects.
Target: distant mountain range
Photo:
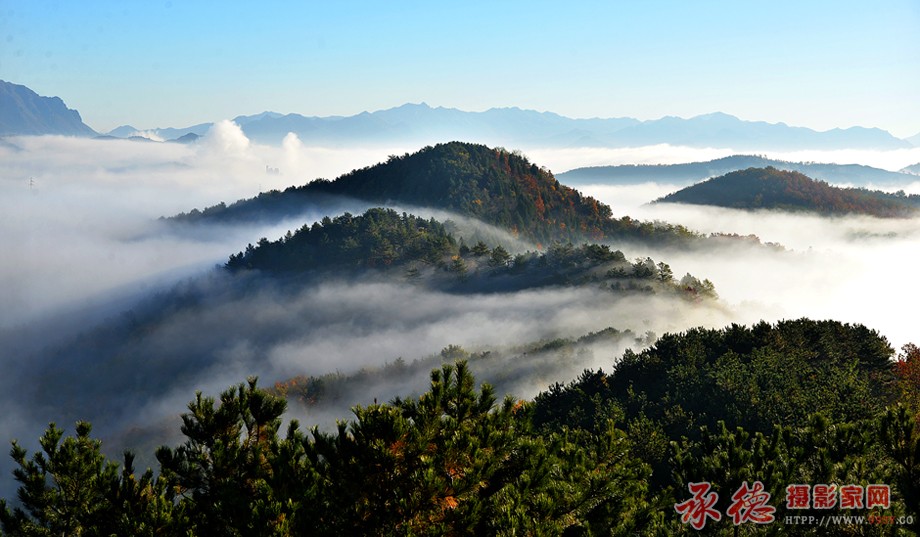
[
  {"x": 770, "y": 188},
  {"x": 187, "y": 134},
  {"x": 22, "y": 111},
  {"x": 421, "y": 124},
  {"x": 841, "y": 174}
]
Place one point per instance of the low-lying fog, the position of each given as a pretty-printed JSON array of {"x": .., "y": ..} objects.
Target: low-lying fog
[
  {"x": 82, "y": 246},
  {"x": 855, "y": 269}
]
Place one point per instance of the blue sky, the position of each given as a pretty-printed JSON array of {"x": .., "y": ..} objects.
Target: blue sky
[{"x": 819, "y": 64}]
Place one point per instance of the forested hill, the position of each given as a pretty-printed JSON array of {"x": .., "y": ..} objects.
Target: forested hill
[
  {"x": 423, "y": 251},
  {"x": 492, "y": 185},
  {"x": 769, "y": 188}
]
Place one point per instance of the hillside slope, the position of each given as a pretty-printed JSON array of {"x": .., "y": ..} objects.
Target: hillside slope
[
  {"x": 338, "y": 280},
  {"x": 495, "y": 186},
  {"x": 769, "y": 188},
  {"x": 425, "y": 252}
]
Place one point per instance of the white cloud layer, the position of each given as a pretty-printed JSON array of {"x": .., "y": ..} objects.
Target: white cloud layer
[
  {"x": 78, "y": 216},
  {"x": 855, "y": 269},
  {"x": 79, "y": 233}
]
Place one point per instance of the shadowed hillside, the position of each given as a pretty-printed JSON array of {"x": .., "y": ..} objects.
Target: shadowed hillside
[{"x": 769, "y": 188}]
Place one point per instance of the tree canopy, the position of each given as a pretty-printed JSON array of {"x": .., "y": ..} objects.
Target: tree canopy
[
  {"x": 425, "y": 251},
  {"x": 802, "y": 401},
  {"x": 495, "y": 186}
]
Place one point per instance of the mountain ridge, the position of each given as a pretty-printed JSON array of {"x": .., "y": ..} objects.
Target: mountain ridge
[
  {"x": 846, "y": 174},
  {"x": 421, "y": 123},
  {"x": 25, "y": 112}
]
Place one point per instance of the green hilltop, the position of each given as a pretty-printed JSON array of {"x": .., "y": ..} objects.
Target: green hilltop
[
  {"x": 495, "y": 186},
  {"x": 424, "y": 251}
]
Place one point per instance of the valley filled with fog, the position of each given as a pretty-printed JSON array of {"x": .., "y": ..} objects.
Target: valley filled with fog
[
  {"x": 86, "y": 258},
  {"x": 316, "y": 268},
  {"x": 855, "y": 269}
]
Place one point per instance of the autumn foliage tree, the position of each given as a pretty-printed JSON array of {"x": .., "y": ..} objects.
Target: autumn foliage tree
[{"x": 907, "y": 369}]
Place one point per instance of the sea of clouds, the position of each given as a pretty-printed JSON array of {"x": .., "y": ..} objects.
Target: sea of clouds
[{"x": 83, "y": 245}]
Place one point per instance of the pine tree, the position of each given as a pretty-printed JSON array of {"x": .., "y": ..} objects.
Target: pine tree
[
  {"x": 69, "y": 488},
  {"x": 224, "y": 473}
]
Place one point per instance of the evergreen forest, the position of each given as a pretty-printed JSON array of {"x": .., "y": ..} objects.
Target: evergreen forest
[
  {"x": 607, "y": 453},
  {"x": 770, "y": 188}
]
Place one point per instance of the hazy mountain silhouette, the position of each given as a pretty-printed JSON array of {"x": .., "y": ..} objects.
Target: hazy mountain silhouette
[
  {"x": 769, "y": 188},
  {"x": 913, "y": 169},
  {"x": 22, "y": 111},
  {"x": 169, "y": 133},
  {"x": 123, "y": 131},
  {"x": 186, "y": 138},
  {"x": 846, "y": 174},
  {"x": 25, "y": 112},
  {"x": 724, "y": 130},
  {"x": 421, "y": 124},
  {"x": 127, "y": 132}
]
